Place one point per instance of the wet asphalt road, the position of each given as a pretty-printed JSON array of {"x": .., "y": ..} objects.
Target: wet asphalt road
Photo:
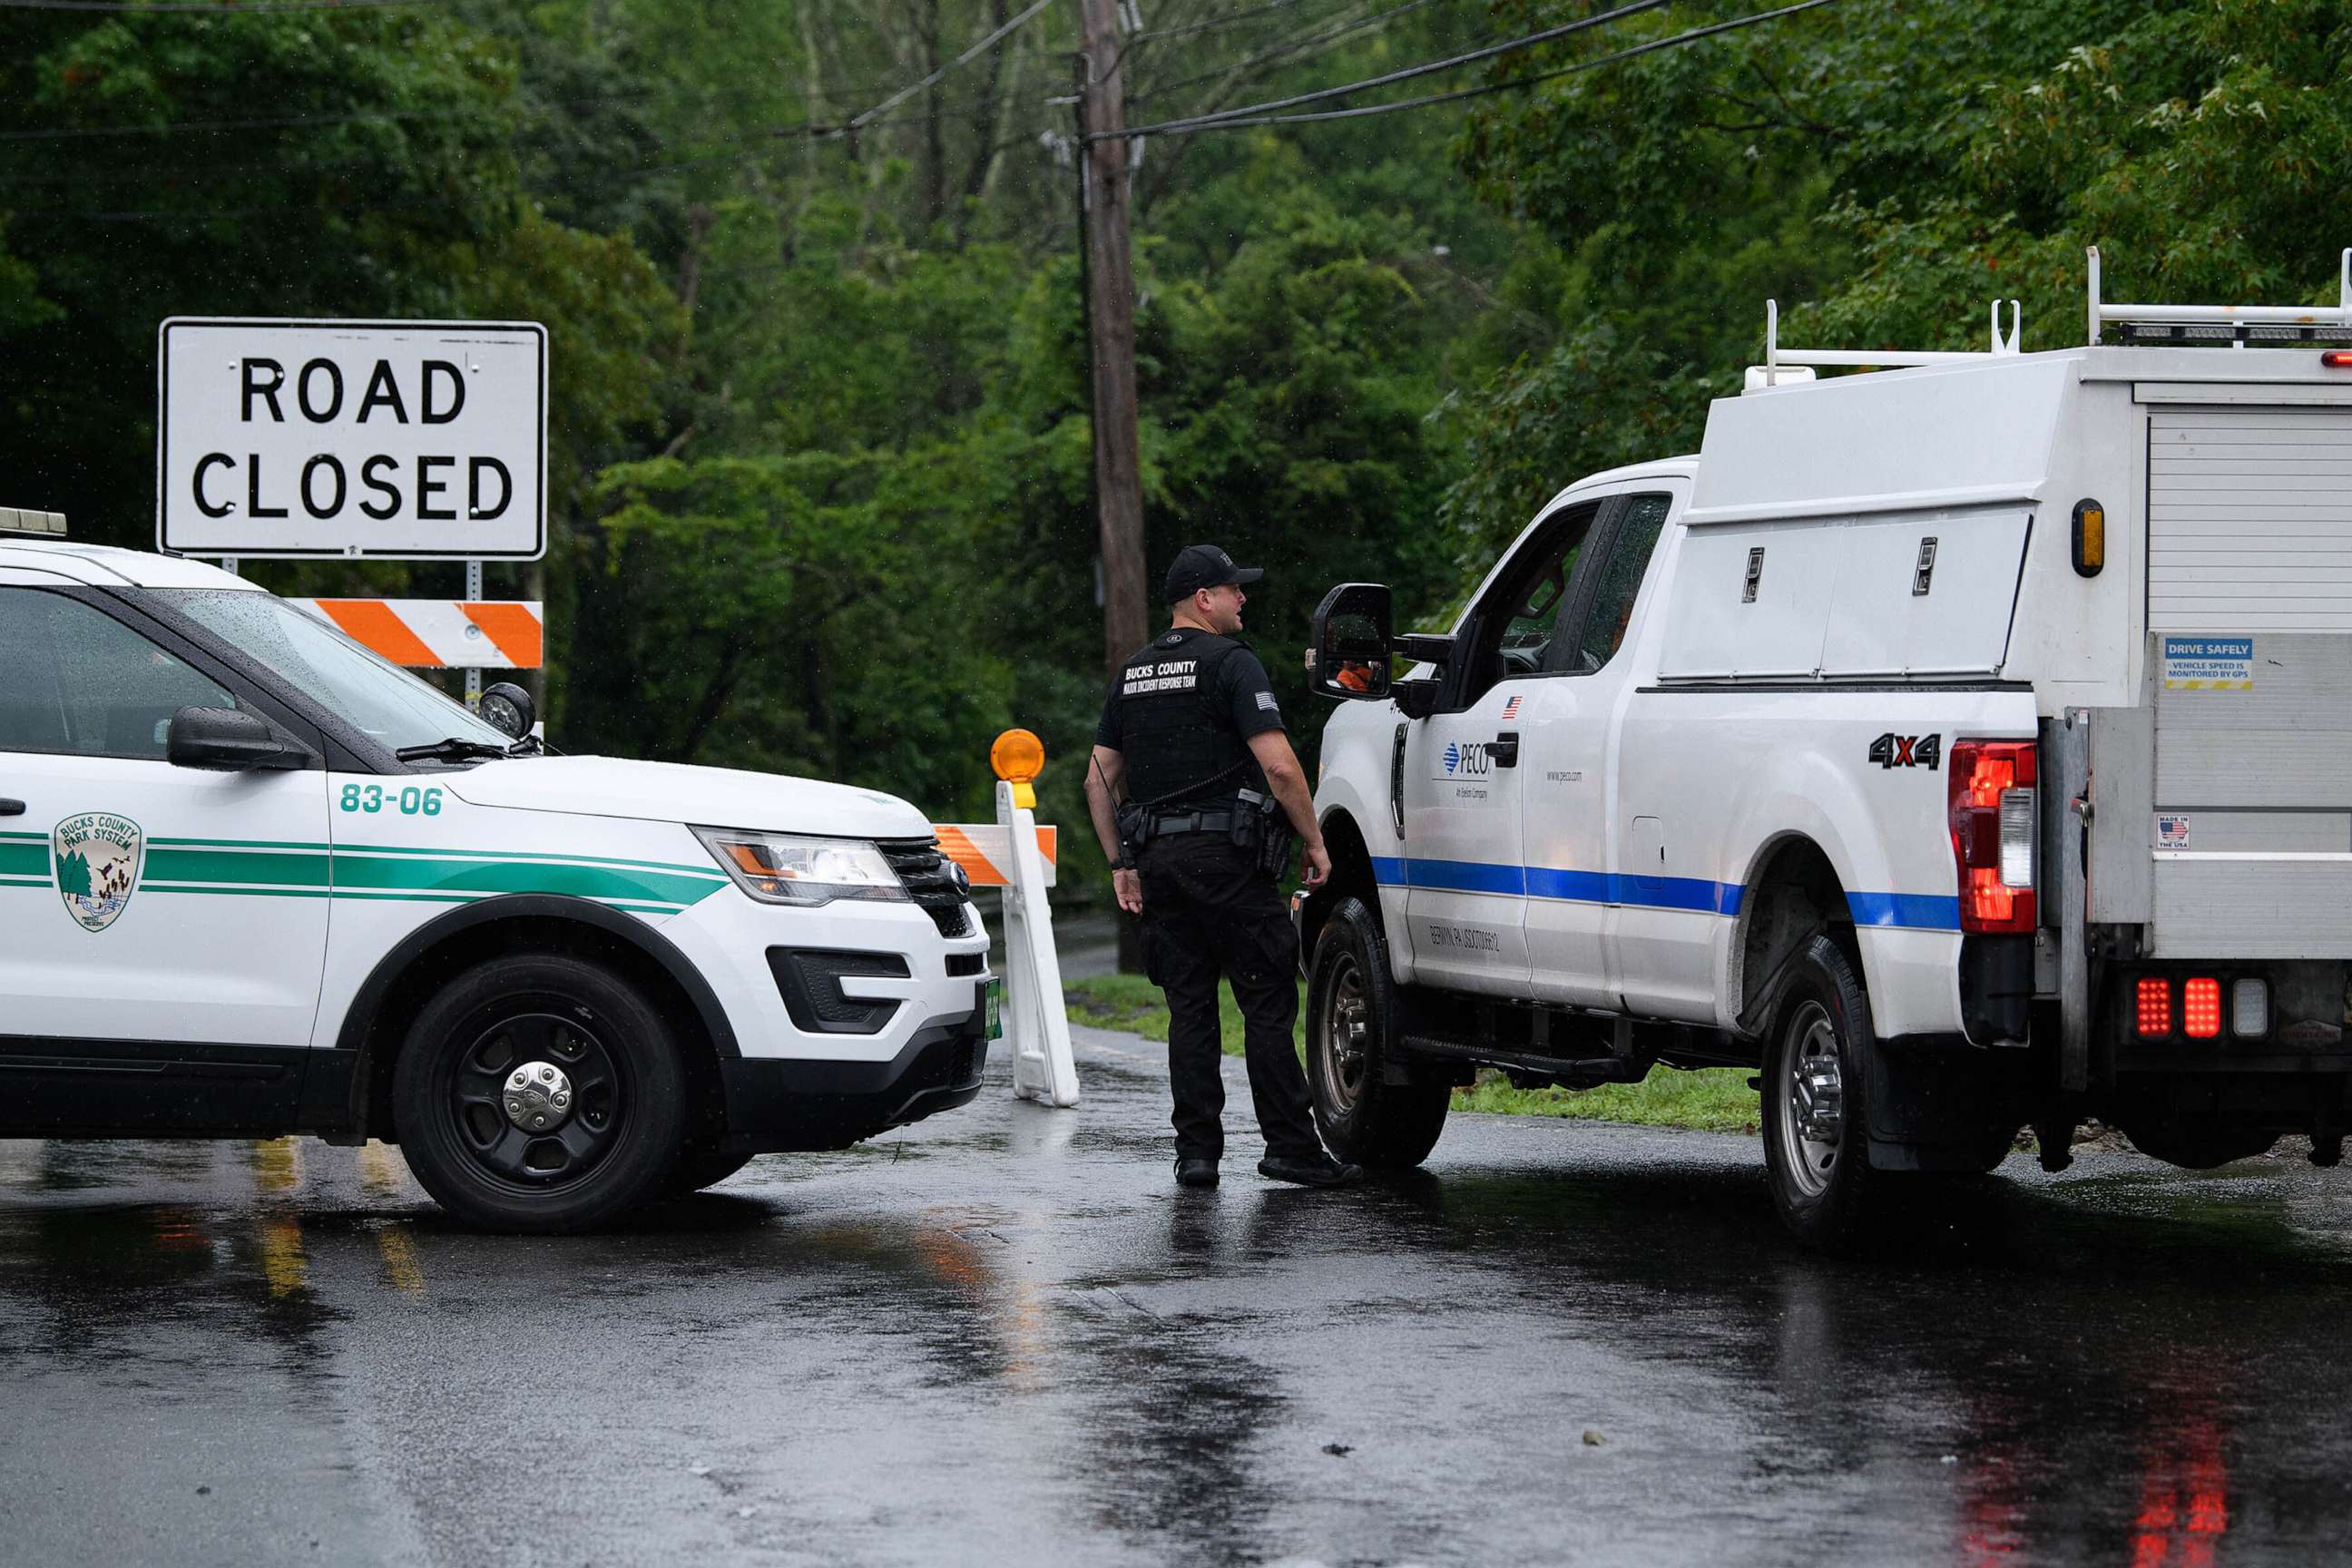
[{"x": 1002, "y": 1336}]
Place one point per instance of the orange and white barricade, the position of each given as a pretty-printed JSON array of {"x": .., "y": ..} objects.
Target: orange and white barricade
[
  {"x": 1019, "y": 855},
  {"x": 442, "y": 634}
]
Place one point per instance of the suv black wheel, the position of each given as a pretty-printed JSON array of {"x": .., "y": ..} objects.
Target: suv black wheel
[
  {"x": 1816, "y": 1145},
  {"x": 540, "y": 1093},
  {"x": 1351, "y": 1020}
]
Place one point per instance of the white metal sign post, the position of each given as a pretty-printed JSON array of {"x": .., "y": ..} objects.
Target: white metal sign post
[{"x": 384, "y": 440}]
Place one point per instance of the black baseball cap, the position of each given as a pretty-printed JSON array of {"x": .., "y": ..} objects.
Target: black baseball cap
[{"x": 1199, "y": 566}]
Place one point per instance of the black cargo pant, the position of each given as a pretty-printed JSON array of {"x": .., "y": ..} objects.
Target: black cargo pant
[{"x": 1208, "y": 912}]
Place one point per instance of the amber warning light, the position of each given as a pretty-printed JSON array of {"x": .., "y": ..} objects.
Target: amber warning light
[{"x": 1018, "y": 756}]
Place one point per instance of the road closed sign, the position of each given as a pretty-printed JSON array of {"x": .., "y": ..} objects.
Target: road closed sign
[{"x": 416, "y": 440}]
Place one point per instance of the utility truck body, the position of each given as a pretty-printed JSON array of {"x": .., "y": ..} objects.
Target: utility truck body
[{"x": 1967, "y": 744}]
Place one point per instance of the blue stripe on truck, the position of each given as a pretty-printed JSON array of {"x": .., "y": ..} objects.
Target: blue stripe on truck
[{"x": 1914, "y": 911}]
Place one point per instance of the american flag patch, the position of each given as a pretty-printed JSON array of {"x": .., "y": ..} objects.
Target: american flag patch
[{"x": 1511, "y": 708}]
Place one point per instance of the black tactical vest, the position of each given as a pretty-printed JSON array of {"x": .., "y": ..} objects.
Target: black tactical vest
[{"x": 1181, "y": 746}]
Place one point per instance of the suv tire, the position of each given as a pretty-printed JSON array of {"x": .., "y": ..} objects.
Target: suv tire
[
  {"x": 540, "y": 1093},
  {"x": 1351, "y": 1027},
  {"x": 1816, "y": 1103}
]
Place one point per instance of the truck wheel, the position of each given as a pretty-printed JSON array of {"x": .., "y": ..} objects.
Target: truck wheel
[
  {"x": 701, "y": 1168},
  {"x": 1351, "y": 1016},
  {"x": 538, "y": 1093},
  {"x": 1816, "y": 1148}
]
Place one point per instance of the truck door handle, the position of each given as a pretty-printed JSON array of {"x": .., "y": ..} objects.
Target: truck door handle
[
  {"x": 12, "y": 808},
  {"x": 1504, "y": 748}
]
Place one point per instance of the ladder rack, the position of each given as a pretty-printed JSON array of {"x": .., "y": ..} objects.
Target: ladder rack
[
  {"x": 1775, "y": 356},
  {"x": 2235, "y": 324}
]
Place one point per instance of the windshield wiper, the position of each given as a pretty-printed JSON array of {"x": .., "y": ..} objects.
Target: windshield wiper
[{"x": 450, "y": 748}]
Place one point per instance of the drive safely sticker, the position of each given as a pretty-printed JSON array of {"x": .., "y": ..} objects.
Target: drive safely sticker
[{"x": 2209, "y": 664}]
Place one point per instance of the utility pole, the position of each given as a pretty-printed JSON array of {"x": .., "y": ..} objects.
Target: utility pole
[
  {"x": 1110, "y": 274},
  {"x": 1110, "y": 320}
]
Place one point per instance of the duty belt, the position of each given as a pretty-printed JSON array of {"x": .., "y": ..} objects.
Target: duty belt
[{"x": 1168, "y": 827}]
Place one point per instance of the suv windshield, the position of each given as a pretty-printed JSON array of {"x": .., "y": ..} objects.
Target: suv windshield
[{"x": 366, "y": 690}]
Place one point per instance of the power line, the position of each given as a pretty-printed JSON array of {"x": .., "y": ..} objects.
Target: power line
[
  {"x": 201, "y": 8},
  {"x": 1593, "y": 64},
  {"x": 1470, "y": 58},
  {"x": 594, "y": 179},
  {"x": 1304, "y": 48},
  {"x": 179, "y": 127},
  {"x": 366, "y": 116},
  {"x": 857, "y": 122}
]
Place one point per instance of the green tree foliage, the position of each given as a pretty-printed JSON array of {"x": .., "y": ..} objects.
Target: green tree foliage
[{"x": 1861, "y": 149}]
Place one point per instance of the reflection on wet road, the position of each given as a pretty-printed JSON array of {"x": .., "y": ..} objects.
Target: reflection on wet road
[{"x": 1004, "y": 1336}]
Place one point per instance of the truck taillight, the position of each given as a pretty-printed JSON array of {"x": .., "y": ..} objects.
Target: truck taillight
[
  {"x": 2200, "y": 1009},
  {"x": 1993, "y": 826}
]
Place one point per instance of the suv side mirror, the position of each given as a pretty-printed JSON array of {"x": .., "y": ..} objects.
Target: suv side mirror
[
  {"x": 227, "y": 740},
  {"x": 1353, "y": 630}
]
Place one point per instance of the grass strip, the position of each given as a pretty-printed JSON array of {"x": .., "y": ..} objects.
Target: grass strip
[{"x": 1715, "y": 1100}]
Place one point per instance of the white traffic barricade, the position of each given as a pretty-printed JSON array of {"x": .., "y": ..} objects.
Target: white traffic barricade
[{"x": 1018, "y": 856}]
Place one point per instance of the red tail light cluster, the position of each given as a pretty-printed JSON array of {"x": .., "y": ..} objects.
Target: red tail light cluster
[
  {"x": 1994, "y": 826},
  {"x": 2202, "y": 1002}
]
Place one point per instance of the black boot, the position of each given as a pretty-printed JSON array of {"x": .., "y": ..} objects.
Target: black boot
[
  {"x": 1315, "y": 1171},
  {"x": 1196, "y": 1171}
]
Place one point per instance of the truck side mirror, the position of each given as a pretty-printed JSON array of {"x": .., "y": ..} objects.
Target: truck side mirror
[
  {"x": 224, "y": 739},
  {"x": 1353, "y": 630}
]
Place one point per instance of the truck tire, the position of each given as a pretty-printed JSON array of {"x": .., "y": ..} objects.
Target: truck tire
[
  {"x": 1816, "y": 1143},
  {"x": 540, "y": 1093},
  {"x": 1352, "y": 1025},
  {"x": 701, "y": 1168}
]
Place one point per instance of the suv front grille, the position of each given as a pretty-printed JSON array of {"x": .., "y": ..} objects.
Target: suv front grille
[{"x": 931, "y": 881}]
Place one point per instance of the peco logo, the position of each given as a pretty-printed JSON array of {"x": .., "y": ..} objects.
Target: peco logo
[{"x": 1465, "y": 761}]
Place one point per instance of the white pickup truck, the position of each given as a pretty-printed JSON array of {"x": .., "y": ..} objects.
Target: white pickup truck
[{"x": 1965, "y": 745}]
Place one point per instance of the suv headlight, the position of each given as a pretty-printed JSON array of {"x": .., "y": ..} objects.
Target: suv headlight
[{"x": 777, "y": 868}]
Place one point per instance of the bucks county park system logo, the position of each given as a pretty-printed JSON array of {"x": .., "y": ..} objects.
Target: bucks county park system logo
[{"x": 98, "y": 857}]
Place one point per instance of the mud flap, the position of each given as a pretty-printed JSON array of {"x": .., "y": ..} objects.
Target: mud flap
[{"x": 1938, "y": 1103}]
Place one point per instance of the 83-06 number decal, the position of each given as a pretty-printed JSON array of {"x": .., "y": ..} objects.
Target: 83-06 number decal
[
  {"x": 410, "y": 802},
  {"x": 1892, "y": 751}
]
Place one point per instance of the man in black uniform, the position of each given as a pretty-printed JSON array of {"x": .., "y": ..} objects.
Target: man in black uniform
[{"x": 1213, "y": 792}]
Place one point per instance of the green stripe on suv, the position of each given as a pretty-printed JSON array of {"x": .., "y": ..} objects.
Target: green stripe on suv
[{"x": 266, "y": 869}]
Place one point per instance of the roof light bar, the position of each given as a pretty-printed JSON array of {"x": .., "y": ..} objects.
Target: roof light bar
[
  {"x": 2232, "y": 316},
  {"x": 38, "y": 525}
]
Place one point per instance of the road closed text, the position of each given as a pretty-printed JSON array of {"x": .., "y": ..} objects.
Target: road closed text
[{"x": 322, "y": 438}]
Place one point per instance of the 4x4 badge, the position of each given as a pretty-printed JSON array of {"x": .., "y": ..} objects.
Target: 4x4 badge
[{"x": 99, "y": 856}]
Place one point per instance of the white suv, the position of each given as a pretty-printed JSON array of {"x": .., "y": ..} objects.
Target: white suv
[{"x": 256, "y": 880}]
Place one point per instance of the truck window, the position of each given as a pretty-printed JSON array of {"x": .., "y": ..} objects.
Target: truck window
[
  {"x": 1619, "y": 584},
  {"x": 1512, "y": 634},
  {"x": 83, "y": 684}
]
